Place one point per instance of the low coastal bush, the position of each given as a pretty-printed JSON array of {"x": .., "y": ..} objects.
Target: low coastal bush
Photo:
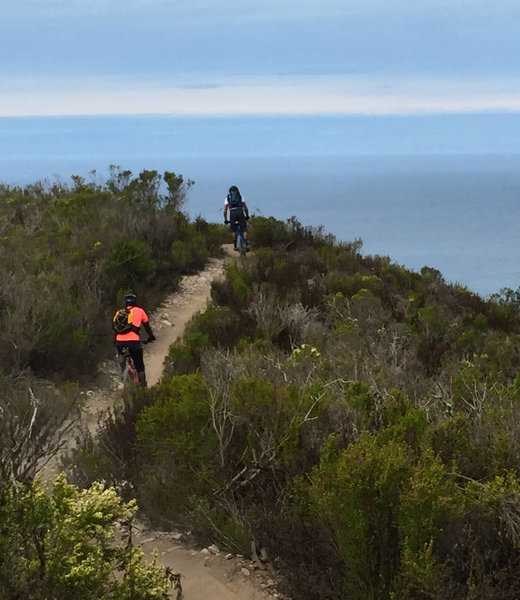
[{"x": 62, "y": 544}]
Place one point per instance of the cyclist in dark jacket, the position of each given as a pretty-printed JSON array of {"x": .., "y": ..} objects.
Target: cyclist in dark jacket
[
  {"x": 132, "y": 339},
  {"x": 238, "y": 213}
]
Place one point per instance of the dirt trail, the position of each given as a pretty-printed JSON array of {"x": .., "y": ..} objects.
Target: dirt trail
[
  {"x": 169, "y": 321},
  {"x": 206, "y": 574}
]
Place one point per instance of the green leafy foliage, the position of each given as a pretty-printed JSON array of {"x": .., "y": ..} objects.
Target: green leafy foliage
[
  {"x": 61, "y": 543},
  {"x": 130, "y": 263},
  {"x": 217, "y": 326},
  {"x": 174, "y": 434}
]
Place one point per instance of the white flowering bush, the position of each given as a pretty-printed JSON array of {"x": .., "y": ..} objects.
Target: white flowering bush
[{"x": 66, "y": 543}]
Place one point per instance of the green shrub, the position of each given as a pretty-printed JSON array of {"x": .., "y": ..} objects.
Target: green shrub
[
  {"x": 175, "y": 437},
  {"x": 356, "y": 493},
  {"x": 215, "y": 327},
  {"x": 130, "y": 264},
  {"x": 62, "y": 544},
  {"x": 268, "y": 232}
]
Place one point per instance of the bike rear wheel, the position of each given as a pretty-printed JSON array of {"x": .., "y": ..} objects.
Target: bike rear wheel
[
  {"x": 241, "y": 243},
  {"x": 129, "y": 373}
]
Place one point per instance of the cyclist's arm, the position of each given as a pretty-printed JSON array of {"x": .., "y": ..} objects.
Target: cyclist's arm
[
  {"x": 246, "y": 209},
  {"x": 225, "y": 209},
  {"x": 149, "y": 331},
  {"x": 143, "y": 320}
]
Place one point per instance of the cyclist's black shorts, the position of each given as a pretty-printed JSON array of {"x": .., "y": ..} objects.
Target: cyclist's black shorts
[
  {"x": 237, "y": 215},
  {"x": 136, "y": 352}
]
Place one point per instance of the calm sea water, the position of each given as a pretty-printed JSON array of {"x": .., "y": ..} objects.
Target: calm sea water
[{"x": 409, "y": 194}]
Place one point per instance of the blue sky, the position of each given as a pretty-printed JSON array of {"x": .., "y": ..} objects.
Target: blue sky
[{"x": 233, "y": 57}]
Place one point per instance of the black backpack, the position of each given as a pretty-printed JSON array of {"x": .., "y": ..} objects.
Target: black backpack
[
  {"x": 122, "y": 321},
  {"x": 234, "y": 199}
]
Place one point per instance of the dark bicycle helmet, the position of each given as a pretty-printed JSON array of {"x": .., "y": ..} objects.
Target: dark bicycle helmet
[
  {"x": 233, "y": 188},
  {"x": 131, "y": 299}
]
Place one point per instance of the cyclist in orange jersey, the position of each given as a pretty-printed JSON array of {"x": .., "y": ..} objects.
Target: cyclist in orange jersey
[{"x": 131, "y": 339}]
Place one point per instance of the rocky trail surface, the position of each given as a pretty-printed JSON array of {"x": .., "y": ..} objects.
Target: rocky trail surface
[{"x": 206, "y": 573}]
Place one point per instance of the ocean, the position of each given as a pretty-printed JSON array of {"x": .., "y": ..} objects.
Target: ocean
[{"x": 437, "y": 191}]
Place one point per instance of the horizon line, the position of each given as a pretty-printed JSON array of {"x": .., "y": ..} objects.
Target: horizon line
[{"x": 268, "y": 114}]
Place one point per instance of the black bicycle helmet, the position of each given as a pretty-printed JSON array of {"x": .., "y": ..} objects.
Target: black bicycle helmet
[
  {"x": 233, "y": 188},
  {"x": 131, "y": 299}
]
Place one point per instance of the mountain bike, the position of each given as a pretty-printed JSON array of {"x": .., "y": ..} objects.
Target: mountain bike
[
  {"x": 129, "y": 372},
  {"x": 241, "y": 242}
]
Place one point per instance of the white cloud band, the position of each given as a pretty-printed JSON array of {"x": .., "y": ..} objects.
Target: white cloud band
[{"x": 298, "y": 96}]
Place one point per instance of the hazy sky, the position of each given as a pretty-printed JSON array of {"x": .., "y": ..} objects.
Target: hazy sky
[{"x": 212, "y": 57}]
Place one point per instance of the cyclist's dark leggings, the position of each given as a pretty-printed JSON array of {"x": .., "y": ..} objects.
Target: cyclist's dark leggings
[
  {"x": 237, "y": 214},
  {"x": 136, "y": 352}
]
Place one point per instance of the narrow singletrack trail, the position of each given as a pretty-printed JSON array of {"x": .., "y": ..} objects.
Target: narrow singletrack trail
[
  {"x": 207, "y": 573},
  {"x": 169, "y": 321}
]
